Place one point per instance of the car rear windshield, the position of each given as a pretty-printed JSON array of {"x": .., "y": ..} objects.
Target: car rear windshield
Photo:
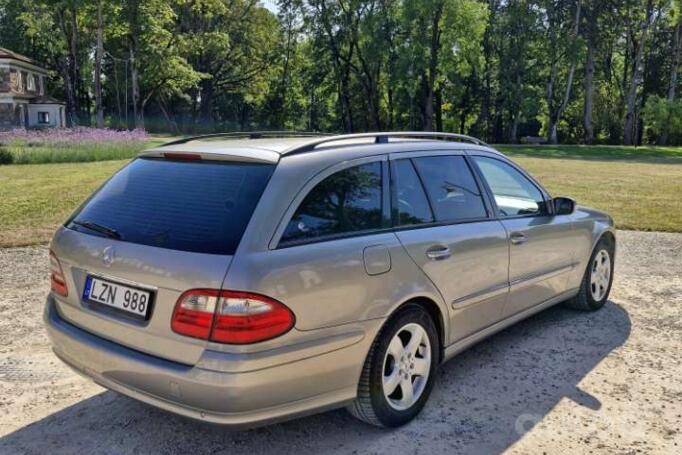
[{"x": 198, "y": 206}]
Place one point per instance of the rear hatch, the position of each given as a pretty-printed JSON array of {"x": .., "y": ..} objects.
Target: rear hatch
[{"x": 157, "y": 228}]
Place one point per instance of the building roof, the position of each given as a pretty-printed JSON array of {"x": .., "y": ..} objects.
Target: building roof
[
  {"x": 21, "y": 59},
  {"x": 6, "y": 53},
  {"x": 45, "y": 100}
]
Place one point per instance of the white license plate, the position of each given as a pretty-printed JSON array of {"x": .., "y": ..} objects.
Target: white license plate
[{"x": 131, "y": 300}]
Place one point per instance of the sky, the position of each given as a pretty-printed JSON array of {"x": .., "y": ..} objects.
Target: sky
[{"x": 271, "y": 5}]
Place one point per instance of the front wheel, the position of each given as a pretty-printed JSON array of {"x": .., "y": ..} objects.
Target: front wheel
[
  {"x": 598, "y": 278},
  {"x": 399, "y": 371}
]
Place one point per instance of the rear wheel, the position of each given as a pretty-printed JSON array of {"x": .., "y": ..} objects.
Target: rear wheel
[
  {"x": 598, "y": 278},
  {"x": 398, "y": 374}
]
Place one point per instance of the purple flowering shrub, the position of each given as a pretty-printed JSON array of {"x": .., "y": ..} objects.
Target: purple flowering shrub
[
  {"x": 22, "y": 146},
  {"x": 70, "y": 136}
]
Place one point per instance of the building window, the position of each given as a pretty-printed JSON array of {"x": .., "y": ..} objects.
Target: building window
[
  {"x": 43, "y": 117},
  {"x": 31, "y": 82}
]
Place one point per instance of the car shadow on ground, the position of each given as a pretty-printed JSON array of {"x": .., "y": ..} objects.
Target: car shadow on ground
[{"x": 484, "y": 401}]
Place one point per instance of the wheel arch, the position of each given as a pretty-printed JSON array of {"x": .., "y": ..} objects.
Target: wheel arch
[
  {"x": 433, "y": 309},
  {"x": 607, "y": 232}
]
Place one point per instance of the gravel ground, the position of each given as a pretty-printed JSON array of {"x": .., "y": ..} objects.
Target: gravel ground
[{"x": 561, "y": 380}]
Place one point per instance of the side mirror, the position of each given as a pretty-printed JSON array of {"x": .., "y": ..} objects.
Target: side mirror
[{"x": 563, "y": 205}]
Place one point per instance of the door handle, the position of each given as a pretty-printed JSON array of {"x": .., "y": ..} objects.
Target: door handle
[
  {"x": 517, "y": 238},
  {"x": 436, "y": 253}
]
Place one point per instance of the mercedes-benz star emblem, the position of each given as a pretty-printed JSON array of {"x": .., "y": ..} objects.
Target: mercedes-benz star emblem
[{"x": 108, "y": 255}]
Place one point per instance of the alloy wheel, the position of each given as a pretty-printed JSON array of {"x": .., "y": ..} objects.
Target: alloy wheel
[
  {"x": 600, "y": 275},
  {"x": 406, "y": 367}
]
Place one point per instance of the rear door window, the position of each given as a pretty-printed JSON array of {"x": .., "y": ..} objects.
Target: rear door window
[
  {"x": 197, "y": 206},
  {"x": 347, "y": 202},
  {"x": 410, "y": 204},
  {"x": 451, "y": 188}
]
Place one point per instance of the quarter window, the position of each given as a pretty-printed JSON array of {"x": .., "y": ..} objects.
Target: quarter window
[
  {"x": 514, "y": 194},
  {"x": 346, "y": 202},
  {"x": 451, "y": 188},
  {"x": 410, "y": 205}
]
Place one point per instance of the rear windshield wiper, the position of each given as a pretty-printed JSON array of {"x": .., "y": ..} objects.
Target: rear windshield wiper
[{"x": 107, "y": 231}]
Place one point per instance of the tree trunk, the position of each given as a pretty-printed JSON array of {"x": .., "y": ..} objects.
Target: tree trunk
[
  {"x": 119, "y": 111},
  {"x": 74, "y": 64},
  {"x": 173, "y": 124},
  {"x": 346, "y": 106},
  {"x": 135, "y": 84},
  {"x": 631, "y": 99},
  {"x": 483, "y": 121},
  {"x": 672, "y": 85},
  {"x": 390, "y": 106},
  {"x": 554, "y": 122},
  {"x": 516, "y": 108},
  {"x": 66, "y": 67},
  {"x": 428, "y": 111},
  {"x": 677, "y": 54},
  {"x": 629, "y": 133},
  {"x": 206, "y": 105},
  {"x": 589, "y": 93},
  {"x": 513, "y": 131},
  {"x": 433, "y": 68},
  {"x": 439, "y": 109},
  {"x": 71, "y": 113},
  {"x": 133, "y": 7},
  {"x": 98, "y": 69},
  {"x": 550, "y": 99},
  {"x": 554, "y": 119}
]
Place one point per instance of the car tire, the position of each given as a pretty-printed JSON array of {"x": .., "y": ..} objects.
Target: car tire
[
  {"x": 597, "y": 280},
  {"x": 407, "y": 348}
]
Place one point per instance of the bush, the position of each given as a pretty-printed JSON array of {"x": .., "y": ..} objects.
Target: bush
[
  {"x": 5, "y": 156},
  {"x": 660, "y": 113}
]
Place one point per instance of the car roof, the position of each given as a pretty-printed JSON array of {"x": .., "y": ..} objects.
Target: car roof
[{"x": 272, "y": 149}]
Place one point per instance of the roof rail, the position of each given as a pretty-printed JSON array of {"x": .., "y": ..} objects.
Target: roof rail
[
  {"x": 382, "y": 138},
  {"x": 245, "y": 135}
]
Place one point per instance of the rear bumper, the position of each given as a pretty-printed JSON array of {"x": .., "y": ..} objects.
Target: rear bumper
[{"x": 317, "y": 380}]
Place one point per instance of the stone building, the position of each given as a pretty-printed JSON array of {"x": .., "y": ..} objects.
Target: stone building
[{"x": 23, "y": 101}]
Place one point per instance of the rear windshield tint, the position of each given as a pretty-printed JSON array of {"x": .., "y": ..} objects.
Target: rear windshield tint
[{"x": 196, "y": 206}]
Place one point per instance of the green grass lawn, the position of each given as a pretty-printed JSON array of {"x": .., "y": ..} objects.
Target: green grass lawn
[
  {"x": 646, "y": 154},
  {"x": 642, "y": 191}
]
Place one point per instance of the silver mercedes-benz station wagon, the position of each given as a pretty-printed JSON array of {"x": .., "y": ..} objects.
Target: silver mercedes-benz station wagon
[{"x": 248, "y": 279}]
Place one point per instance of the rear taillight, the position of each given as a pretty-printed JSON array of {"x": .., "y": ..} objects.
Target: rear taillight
[
  {"x": 242, "y": 317},
  {"x": 230, "y": 317},
  {"x": 57, "y": 280},
  {"x": 193, "y": 314}
]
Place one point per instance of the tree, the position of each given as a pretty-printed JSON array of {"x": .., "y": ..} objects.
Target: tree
[
  {"x": 638, "y": 40},
  {"x": 64, "y": 51},
  {"x": 157, "y": 66},
  {"x": 99, "y": 54},
  {"x": 439, "y": 35},
  {"x": 231, "y": 43},
  {"x": 676, "y": 52},
  {"x": 560, "y": 49},
  {"x": 497, "y": 69}
]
